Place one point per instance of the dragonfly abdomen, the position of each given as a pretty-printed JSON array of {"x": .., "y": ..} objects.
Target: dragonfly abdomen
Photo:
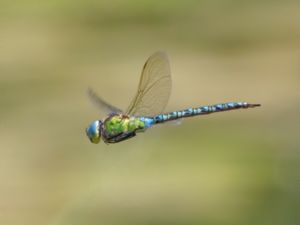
[{"x": 203, "y": 110}]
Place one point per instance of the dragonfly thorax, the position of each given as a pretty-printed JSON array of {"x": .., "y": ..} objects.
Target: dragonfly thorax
[{"x": 94, "y": 131}]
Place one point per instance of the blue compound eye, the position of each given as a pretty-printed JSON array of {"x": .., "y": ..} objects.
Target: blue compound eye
[{"x": 93, "y": 132}]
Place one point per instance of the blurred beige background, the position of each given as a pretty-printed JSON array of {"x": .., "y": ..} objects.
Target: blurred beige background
[{"x": 234, "y": 168}]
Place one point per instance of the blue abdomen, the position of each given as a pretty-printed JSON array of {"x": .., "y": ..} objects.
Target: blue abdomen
[{"x": 201, "y": 111}]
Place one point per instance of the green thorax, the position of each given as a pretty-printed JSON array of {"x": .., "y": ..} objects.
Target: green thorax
[{"x": 118, "y": 124}]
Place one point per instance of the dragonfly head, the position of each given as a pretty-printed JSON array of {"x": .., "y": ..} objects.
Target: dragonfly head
[{"x": 93, "y": 131}]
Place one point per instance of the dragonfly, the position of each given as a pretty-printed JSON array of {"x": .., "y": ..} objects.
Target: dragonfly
[{"x": 146, "y": 108}]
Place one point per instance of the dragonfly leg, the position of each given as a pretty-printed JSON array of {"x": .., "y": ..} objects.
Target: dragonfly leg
[{"x": 121, "y": 137}]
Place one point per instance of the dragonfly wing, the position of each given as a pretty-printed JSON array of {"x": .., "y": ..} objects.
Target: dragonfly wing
[
  {"x": 154, "y": 88},
  {"x": 102, "y": 104}
]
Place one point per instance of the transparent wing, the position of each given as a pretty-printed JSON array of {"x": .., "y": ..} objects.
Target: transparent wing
[
  {"x": 105, "y": 108},
  {"x": 154, "y": 88}
]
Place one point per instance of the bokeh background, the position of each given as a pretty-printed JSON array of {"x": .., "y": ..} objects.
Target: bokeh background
[{"x": 237, "y": 168}]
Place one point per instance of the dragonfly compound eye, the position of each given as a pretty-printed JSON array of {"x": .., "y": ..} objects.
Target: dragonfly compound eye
[{"x": 93, "y": 132}]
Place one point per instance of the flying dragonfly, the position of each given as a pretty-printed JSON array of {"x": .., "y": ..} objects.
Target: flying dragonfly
[{"x": 146, "y": 108}]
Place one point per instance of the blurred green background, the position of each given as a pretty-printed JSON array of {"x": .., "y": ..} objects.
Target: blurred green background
[{"x": 236, "y": 168}]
